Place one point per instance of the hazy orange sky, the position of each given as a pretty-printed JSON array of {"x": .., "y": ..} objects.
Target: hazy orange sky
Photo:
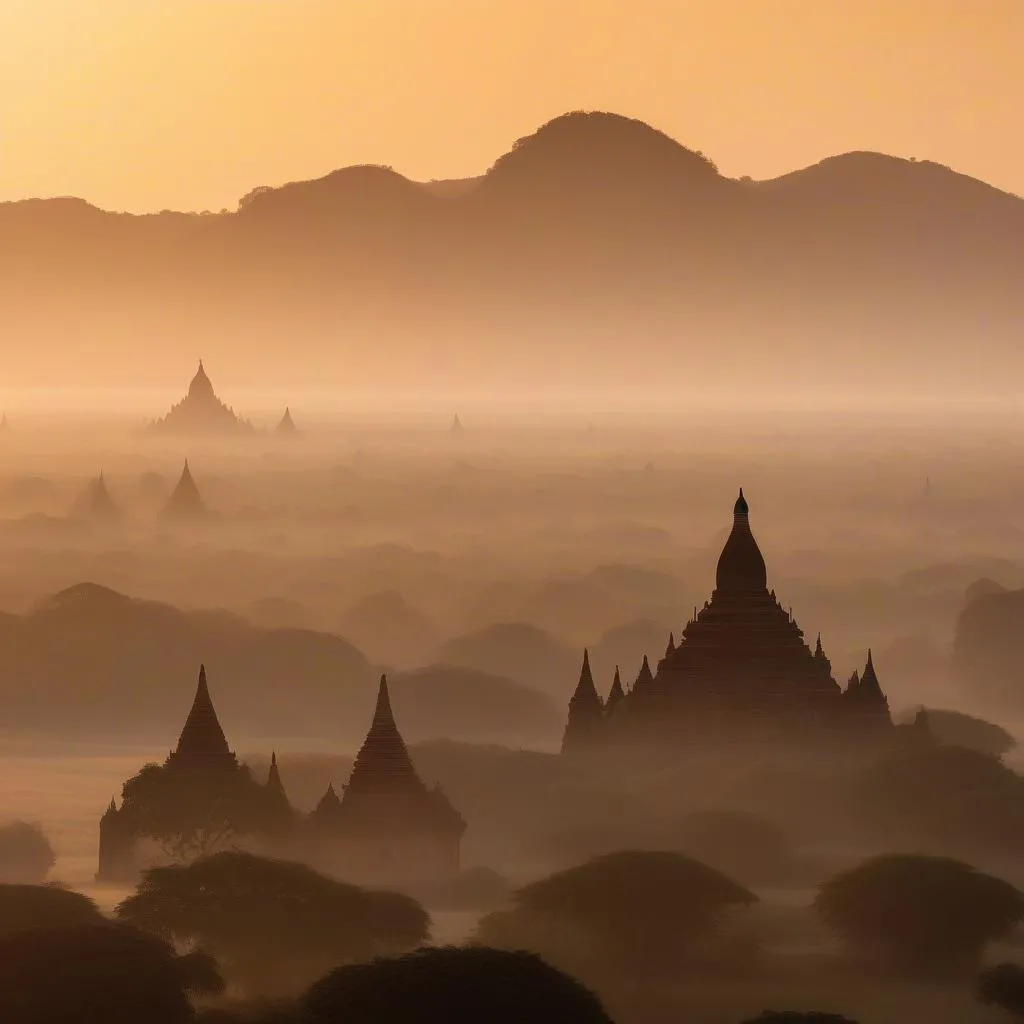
[{"x": 149, "y": 104}]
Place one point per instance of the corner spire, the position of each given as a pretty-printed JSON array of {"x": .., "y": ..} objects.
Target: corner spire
[{"x": 615, "y": 694}]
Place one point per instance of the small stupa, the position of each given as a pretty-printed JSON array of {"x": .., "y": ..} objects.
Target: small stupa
[
  {"x": 456, "y": 427},
  {"x": 286, "y": 427},
  {"x": 185, "y": 501},
  {"x": 201, "y": 412},
  {"x": 96, "y": 503}
]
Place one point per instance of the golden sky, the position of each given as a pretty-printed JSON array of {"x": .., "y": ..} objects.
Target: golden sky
[{"x": 188, "y": 104}]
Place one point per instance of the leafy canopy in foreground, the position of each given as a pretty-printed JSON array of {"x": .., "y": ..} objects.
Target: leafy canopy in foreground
[
  {"x": 912, "y": 912},
  {"x": 638, "y": 910},
  {"x": 275, "y": 925},
  {"x": 27, "y": 907},
  {"x": 457, "y": 986},
  {"x": 98, "y": 974}
]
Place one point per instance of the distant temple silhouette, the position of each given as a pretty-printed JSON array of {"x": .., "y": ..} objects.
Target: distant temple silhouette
[
  {"x": 95, "y": 502},
  {"x": 286, "y": 427},
  {"x": 741, "y": 669},
  {"x": 387, "y": 828},
  {"x": 456, "y": 427},
  {"x": 185, "y": 501},
  {"x": 201, "y": 412}
]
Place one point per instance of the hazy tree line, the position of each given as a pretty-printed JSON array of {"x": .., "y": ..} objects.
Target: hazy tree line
[{"x": 236, "y": 937}]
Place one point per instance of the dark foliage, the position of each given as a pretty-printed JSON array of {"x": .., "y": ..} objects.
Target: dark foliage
[
  {"x": 27, "y": 907},
  {"x": 919, "y": 914},
  {"x": 453, "y": 986},
  {"x": 639, "y": 912},
  {"x": 25, "y": 853},
  {"x": 947, "y": 798},
  {"x": 960, "y": 730},
  {"x": 193, "y": 815},
  {"x": 1003, "y": 986},
  {"x": 274, "y": 925},
  {"x": 96, "y": 974}
]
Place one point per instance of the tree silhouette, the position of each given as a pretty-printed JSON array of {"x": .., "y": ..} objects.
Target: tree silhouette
[
  {"x": 639, "y": 911},
  {"x": 97, "y": 974},
  {"x": 29, "y": 907},
  {"x": 190, "y": 814},
  {"x": 274, "y": 925},
  {"x": 26, "y": 855},
  {"x": 453, "y": 986},
  {"x": 1003, "y": 986},
  {"x": 919, "y": 914}
]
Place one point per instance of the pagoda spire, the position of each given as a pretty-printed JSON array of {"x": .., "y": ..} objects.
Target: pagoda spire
[
  {"x": 185, "y": 500},
  {"x": 672, "y": 641},
  {"x": 645, "y": 677},
  {"x": 202, "y": 743},
  {"x": 585, "y": 710},
  {"x": 741, "y": 569},
  {"x": 383, "y": 764},
  {"x": 616, "y": 693}
]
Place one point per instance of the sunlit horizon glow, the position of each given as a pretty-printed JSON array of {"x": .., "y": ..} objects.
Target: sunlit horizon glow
[{"x": 192, "y": 103}]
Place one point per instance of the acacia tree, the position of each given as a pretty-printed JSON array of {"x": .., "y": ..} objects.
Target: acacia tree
[
  {"x": 193, "y": 814},
  {"x": 919, "y": 914},
  {"x": 458, "y": 986},
  {"x": 640, "y": 912},
  {"x": 274, "y": 925}
]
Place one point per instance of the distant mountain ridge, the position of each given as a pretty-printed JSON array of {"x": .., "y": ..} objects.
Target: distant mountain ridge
[{"x": 597, "y": 248}]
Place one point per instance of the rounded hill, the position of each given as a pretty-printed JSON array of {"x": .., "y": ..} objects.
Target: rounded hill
[{"x": 597, "y": 146}]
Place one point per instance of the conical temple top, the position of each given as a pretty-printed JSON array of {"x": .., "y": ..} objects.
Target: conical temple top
[
  {"x": 741, "y": 567},
  {"x": 202, "y": 743},
  {"x": 287, "y": 424},
  {"x": 616, "y": 693},
  {"x": 383, "y": 764},
  {"x": 586, "y": 691},
  {"x": 201, "y": 386},
  {"x": 185, "y": 499}
]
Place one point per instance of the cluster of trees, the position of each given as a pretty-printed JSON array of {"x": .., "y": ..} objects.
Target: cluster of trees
[
  {"x": 25, "y": 853},
  {"x": 332, "y": 951}
]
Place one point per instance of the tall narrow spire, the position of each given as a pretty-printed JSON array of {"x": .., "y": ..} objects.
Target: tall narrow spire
[
  {"x": 585, "y": 711},
  {"x": 202, "y": 743},
  {"x": 615, "y": 694},
  {"x": 670, "y": 649},
  {"x": 741, "y": 568},
  {"x": 645, "y": 677}
]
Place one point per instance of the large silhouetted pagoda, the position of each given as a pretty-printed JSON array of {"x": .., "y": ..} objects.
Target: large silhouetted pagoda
[
  {"x": 388, "y": 826},
  {"x": 741, "y": 668},
  {"x": 201, "y": 412},
  {"x": 200, "y": 798}
]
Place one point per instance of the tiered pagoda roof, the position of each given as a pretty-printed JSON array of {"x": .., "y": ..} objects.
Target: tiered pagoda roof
[
  {"x": 743, "y": 652},
  {"x": 201, "y": 412},
  {"x": 202, "y": 744},
  {"x": 384, "y": 792}
]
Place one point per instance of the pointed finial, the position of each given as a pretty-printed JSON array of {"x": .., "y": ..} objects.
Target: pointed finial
[
  {"x": 273, "y": 759},
  {"x": 869, "y": 659},
  {"x": 586, "y": 658},
  {"x": 740, "y": 508}
]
